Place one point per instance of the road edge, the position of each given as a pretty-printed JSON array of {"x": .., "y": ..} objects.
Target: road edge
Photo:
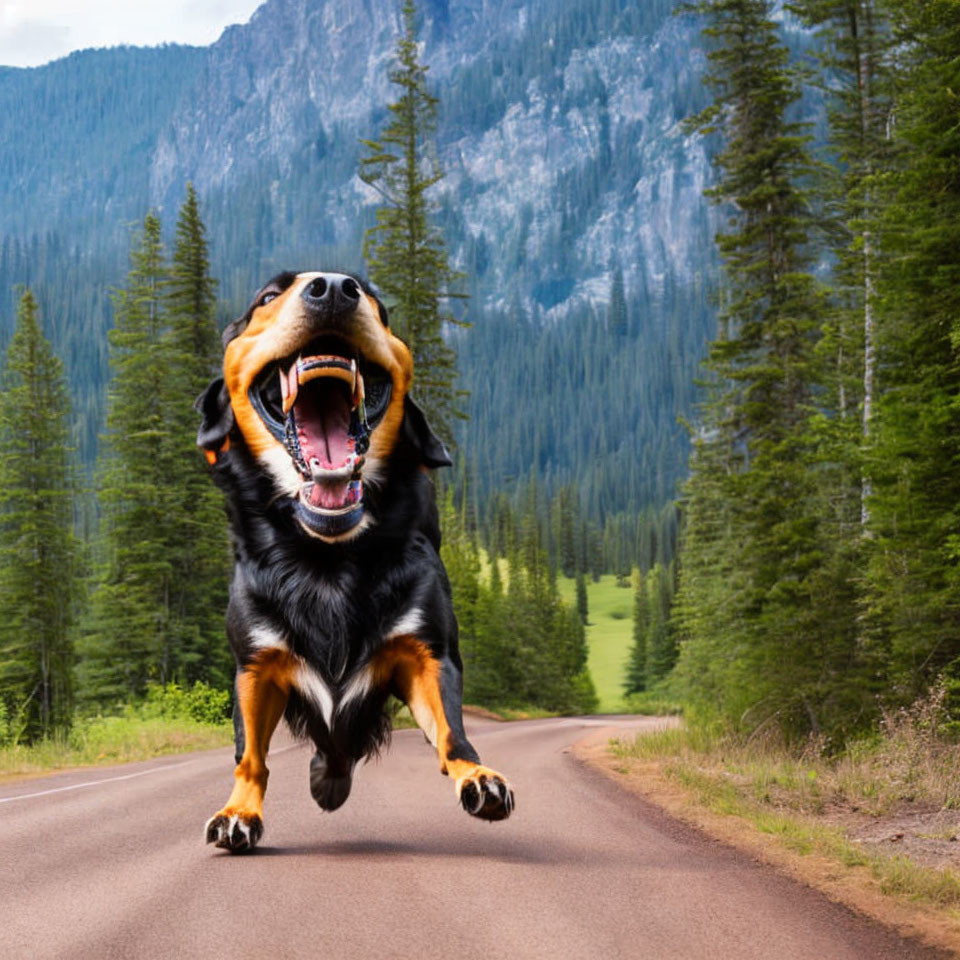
[{"x": 852, "y": 887}]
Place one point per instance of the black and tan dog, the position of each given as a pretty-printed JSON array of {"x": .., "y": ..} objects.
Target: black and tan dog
[{"x": 339, "y": 597}]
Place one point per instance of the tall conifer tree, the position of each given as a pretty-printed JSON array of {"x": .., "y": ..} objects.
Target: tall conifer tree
[
  {"x": 404, "y": 252},
  {"x": 39, "y": 559},
  {"x": 759, "y": 422},
  {"x": 636, "y": 678},
  {"x": 855, "y": 80},
  {"x": 131, "y": 639},
  {"x": 914, "y": 574},
  {"x": 197, "y": 530}
]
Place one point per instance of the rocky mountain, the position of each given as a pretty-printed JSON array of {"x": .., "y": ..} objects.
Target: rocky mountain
[{"x": 560, "y": 133}]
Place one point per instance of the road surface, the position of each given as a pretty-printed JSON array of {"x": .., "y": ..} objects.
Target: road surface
[{"x": 110, "y": 863}]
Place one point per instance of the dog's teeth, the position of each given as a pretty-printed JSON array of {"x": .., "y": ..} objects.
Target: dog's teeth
[{"x": 290, "y": 385}]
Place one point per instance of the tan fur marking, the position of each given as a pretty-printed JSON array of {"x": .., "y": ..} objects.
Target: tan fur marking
[
  {"x": 262, "y": 690},
  {"x": 406, "y": 665}
]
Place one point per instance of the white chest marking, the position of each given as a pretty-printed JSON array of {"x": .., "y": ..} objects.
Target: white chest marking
[
  {"x": 358, "y": 687},
  {"x": 266, "y": 638},
  {"x": 304, "y": 678},
  {"x": 313, "y": 687},
  {"x": 409, "y": 622}
]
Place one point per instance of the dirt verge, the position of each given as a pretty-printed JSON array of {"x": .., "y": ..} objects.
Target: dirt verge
[{"x": 854, "y": 887}]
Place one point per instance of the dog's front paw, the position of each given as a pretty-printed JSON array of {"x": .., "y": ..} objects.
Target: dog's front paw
[
  {"x": 234, "y": 831},
  {"x": 485, "y": 794}
]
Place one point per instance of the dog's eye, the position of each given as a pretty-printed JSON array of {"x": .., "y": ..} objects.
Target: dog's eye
[{"x": 267, "y": 297}]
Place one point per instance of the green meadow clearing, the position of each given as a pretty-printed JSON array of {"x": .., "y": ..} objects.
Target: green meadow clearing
[{"x": 609, "y": 634}]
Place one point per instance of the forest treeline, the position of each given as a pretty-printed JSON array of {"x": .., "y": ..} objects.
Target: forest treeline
[
  {"x": 817, "y": 579},
  {"x": 92, "y": 620}
]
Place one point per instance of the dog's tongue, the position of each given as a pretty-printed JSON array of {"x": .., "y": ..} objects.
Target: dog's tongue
[
  {"x": 334, "y": 496},
  {"x": 321, "y": 392},
  {"x": 322, "y": 416},
  {"x": 329, "y": 495}
]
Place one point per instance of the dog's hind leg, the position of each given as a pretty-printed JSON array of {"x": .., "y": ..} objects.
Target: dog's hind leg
[
  {"x": 433, "y": 689},
  {"x": 330, "y": 780},
  {"x": 262, "y": 689},
  {"x": 238, "y": 738}
]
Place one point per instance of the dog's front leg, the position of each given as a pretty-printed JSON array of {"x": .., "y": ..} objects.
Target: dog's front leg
[
  {"x": 433, "y": 689},
  {"x": 262, "y": 689}
]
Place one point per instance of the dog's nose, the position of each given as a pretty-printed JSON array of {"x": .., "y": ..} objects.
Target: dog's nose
[{"x": 331, "y": 294}]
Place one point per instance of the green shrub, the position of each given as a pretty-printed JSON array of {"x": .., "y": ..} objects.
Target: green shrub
[
  {"x": 207, "y": 704},
  {"x": 201, "y": 703}
]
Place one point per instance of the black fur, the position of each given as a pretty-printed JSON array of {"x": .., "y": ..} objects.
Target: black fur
[{"x": 333, "y": 604}]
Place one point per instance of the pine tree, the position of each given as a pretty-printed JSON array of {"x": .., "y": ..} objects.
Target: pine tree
[
  {"x": 661, "y": 649},
  {"x": 581, "y": 592},
  {"x": 462, "y": 561},
  {"x": 131, "y": 637},
  {"x": 404, "y": 252},
  {"x": 711, "y": 574},
  {"x": 39, "y": 557},
  {"x": 913, "y": 586},
  {"x": 565, "y": 514},
  {"x": 492, "y": 668},
  {"x": 191, "y": 300},
  {"x": 855, "y": 79},
  {"x": 197, "y": 530},
  {"x": 636, "y": 678},
  {"x": 765, "y": 377}
]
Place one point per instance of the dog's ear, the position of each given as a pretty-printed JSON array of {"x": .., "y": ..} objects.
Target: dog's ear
[
  {"x": 417, "y": 431},
  {"x": 214, "y": 406},
  {"x": 235, "y": 327}
]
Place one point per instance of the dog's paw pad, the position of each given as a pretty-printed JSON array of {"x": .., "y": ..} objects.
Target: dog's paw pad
[
  {"x": 237, "y": 833},
  {"x": 487, "y": 796}
]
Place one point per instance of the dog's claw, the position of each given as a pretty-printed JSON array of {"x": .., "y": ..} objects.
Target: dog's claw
[
  {"x": 487, "y": 797},
  {"x": 237, "y": 833}
]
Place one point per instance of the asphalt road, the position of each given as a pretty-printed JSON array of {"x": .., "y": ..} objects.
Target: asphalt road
[{"x": 111, "y": 863}]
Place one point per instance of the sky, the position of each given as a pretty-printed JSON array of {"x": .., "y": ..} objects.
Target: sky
[{"x": 33, "y": 32}]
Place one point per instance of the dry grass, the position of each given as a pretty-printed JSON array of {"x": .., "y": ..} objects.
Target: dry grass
[
  {"x": 884, "y": 803},
  {"x": 909, "y": 762}
]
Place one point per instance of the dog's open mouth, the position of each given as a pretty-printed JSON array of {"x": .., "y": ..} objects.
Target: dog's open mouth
[
  {"x": 316, "y": 403},
  {"x": 327, "y": 430}
]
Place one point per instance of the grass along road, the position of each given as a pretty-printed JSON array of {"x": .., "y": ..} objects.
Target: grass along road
[
  {"x": 875, "y": 827},
  {"x": 103, "y": 741}
]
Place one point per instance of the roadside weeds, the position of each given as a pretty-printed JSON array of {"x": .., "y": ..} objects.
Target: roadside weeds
[{"x": 894, "y": 860}]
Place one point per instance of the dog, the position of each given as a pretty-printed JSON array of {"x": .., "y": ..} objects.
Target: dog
[{"x": 339, "y": 597}]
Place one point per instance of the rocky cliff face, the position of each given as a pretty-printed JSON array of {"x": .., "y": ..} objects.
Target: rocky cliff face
[
  {"x": 560, "y": 135},
  {"x": 560, "y": 130}
]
